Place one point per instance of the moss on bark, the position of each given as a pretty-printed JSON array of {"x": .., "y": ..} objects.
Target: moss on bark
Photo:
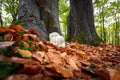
[{"x": 82, "y": 40}]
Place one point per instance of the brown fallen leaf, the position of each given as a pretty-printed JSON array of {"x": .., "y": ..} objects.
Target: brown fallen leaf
[
  {"x": 17, "y": 77},
  {"x": 30, "y": 36},
  {"x": 62, "y": 70},
  {"x": 114, "y": 74},
  {"x": 24, "y": 53},
  {"x": 8, "y": 37},
  {"x": 72, "y": 63}
]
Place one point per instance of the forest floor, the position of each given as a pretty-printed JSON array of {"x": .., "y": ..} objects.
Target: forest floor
[{"x": 23, "y": 56}]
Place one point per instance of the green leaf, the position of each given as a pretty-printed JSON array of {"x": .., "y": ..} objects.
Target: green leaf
[
  {"x": 4, "y": 50},
  {"x": 1, "y": 38},
  {"x": 7, "y": 68}
]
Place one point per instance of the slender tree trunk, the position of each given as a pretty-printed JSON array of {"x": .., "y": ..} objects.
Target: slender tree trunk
[
  {"x": 118, "y": 31},
  {"x": 116, "y": 24},
  {"x": 101, "y": 30},
  {"x": 42, "y": 16},
  {"x": 15, "y": 11},
  {"x": 1, "y": 21},
  {"x": 103, "y": 26},
  {"x": 81, "y": 21}
]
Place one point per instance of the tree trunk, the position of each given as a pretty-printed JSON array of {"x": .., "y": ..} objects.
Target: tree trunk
[
  {"x": 81, "y": 22},
  {"x": 42, "y": 17},
  {"x": 1, "y": 21},
  {"x": 49, "y": 14}
]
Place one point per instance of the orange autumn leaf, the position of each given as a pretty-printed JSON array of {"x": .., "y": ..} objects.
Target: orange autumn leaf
[
  {"x": 16, "y": 27},
  {"x": 12, "y": 30},
  {"x": 4, "y": 29},
  {"x": 25, "y": 37},
  {"x": 32, "y": 31}
]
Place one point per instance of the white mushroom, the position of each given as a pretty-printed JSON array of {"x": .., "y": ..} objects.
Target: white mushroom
[
  {"x": 56, "y": 39},
  {"x": 53, "y": 34}
]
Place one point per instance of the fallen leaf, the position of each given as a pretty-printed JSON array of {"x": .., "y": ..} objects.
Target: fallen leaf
[
  {"x": 24, "y": 53},
  {"x": 63, "y": 54},
  {"x": 18, "y": 28},
  {"x": 32, "y": 31},
  {"x": 6, "y": 44},
  {"x": 17, "y": 77},
  {"x": 114, "y": 74},
  {"x": 73, "y": 64},
  {"x": 8, "y": 37}
]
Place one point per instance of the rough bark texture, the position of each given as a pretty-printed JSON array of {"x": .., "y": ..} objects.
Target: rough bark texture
[
  {"x": 41, "y": 16},
  {"x": 1, "y": 21},
  {"x": 81, "y": 20},
  {"x": 49, "y": 14}
]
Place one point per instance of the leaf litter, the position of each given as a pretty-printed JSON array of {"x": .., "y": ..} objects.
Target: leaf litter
[{"x": 41, "y": 60}]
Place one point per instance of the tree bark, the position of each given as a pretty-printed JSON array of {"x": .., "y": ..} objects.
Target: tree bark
[
  {"x": 1, "y": 21},
  {"x": 43, "y": 17},
  {"x": 81, "y": 21},
  {"x": 49, "y": 14}
]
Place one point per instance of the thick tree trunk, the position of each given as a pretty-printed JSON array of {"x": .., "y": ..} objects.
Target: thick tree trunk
[
  {"x": 49, "y": 14},
  {"x": 41, "y": 16},
  {"x": 81, "y": 21}
]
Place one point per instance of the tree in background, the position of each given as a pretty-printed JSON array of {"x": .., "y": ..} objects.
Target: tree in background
[
  {"x": 11, "y": 9},
  {"x": 1, "y": 21},
  {"x": 107, "y": 17},
  {"x": 81, "y": 22},
  {"x": 40, "y": 15},
  {"x": 63, "y": 14}
]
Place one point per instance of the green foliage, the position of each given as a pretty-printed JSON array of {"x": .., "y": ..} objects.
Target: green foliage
[
  {"x": 107, "y": 20},
  {"x": 20, "y": 44},
  {"x": 32, "y": 48},
  {"x": 63, "y": 13},
  {"x": 23, "y": 47},
  {"x": 19, "y": 22},
  {"x": 7, "y": 68},
  {"x": 9, "y": 11}
]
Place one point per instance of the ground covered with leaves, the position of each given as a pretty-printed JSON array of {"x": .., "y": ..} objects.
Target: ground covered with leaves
[{"x": 23, "y": 56}]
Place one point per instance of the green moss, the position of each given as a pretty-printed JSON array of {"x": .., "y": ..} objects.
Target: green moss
[
  {"x": 96, "y": 42},
  {"x": 3, "y": 50},
  {"x": 7, "y": 68},
  {"x": 79, "y": 38},
  {"x": 1, "y": 38}
]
